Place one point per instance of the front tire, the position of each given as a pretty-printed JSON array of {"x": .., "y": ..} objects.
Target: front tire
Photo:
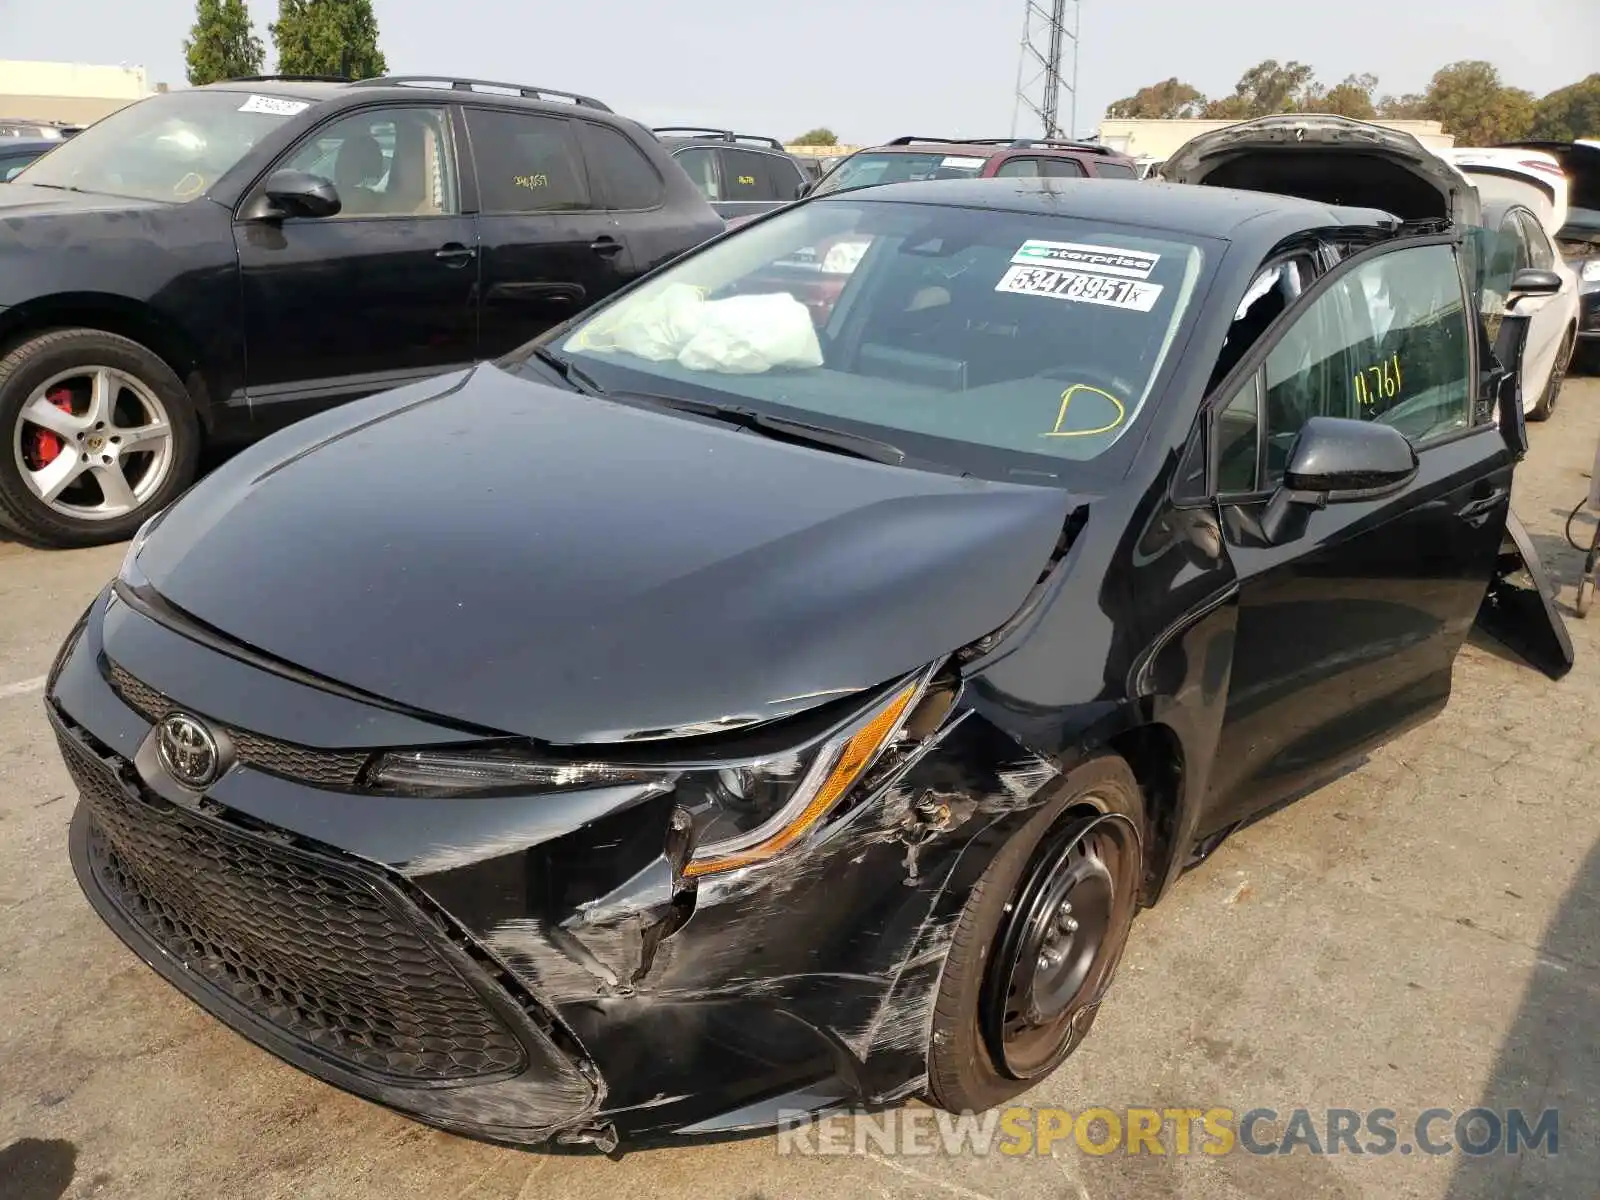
[
  {"x": 1552, "y": 388},
  {"x": 98, "y": 434},
  {"x": 1038, "y": 942}
]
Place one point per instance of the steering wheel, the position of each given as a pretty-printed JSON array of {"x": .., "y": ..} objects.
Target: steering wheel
[{"x": 1093, "y": 402}]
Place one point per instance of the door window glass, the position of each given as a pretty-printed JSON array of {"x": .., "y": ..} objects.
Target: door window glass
[
  {"x": 747, "y": 175},
  {"x": 1540, "y": 253},
  {"x": 1111, "y": 169},
  {"x": 526, "y": 163},
  {"x": 627, "y": 180},
  {"x": 1033, "y": 168},
  {"x": 1388, "y": 342},
  {"x": 700, "y": 164},
  {"x": 1237, "y": 435},
  {"x": 384, "y": 162}
]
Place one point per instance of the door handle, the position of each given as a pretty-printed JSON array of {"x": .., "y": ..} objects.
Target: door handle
[
  {"x": 456, "y": 254},
  {"x": 606, "y": 246},
  {"x": 1474, "y": 511}
]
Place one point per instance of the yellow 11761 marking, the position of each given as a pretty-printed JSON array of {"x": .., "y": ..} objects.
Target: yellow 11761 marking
[
  {"x": 1386, "y": 383},
  {"x": 1066, "y": 400}
]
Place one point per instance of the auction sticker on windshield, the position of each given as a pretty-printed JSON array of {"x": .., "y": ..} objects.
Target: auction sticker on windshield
[
  {"x": 275, "y": 106},
  {"x": 1081, "y": 286},
  {"x": 1107, "y": 260}
]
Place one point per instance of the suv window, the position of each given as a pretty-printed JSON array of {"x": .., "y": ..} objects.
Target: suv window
[
  {"x": 526, "y": 162},
  {"x": 1110, "y": 168},
  {"x": 700, "y": 164},
  {"x": 1036, "y": 168},
  {"x": 1387, "y": 342},
  {"x": 747, "y": 175},
  {"x": 1540, "y": 253},
  {"x": 384, "y": 162},
  {"x": 625, "y": 177}
]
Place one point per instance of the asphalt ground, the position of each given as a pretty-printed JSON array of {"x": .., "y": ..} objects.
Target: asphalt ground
[{"x": 1422, "y": 935}]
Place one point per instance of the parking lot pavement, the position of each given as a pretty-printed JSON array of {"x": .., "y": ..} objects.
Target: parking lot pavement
[{"x": 1425, "y": 933}]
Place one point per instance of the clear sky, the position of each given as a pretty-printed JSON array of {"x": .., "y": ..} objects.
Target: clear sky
[{"x": 868, "y": 69}]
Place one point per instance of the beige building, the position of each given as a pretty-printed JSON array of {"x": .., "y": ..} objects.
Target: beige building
[
  {"x": 1157, "y": 141},
  {"x": 72, "y": 92}
]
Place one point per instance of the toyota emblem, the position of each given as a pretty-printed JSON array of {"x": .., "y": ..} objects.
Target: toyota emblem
[{"x": 188, "y": 751}]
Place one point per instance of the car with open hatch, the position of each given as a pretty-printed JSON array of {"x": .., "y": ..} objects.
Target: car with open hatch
[
  {"x": 204, "y": 266},
  {"x": 790, "y": 705}
]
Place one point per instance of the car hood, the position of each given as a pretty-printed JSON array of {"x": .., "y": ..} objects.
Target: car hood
[
  {"x": 1333, "y": 160},
  {"x": 19, "y": 199},
  {"x": 529, "y": 560}
]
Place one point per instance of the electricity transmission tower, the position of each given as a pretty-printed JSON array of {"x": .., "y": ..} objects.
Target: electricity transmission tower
[{"x": 1049, "y": 33}]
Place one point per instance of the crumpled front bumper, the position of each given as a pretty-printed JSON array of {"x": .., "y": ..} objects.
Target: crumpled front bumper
[{"x": 606, "y": 998}]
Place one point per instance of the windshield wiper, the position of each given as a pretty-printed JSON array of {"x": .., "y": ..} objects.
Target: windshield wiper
[
  {"x": 783, "y": 429},
  {"x": 568, "y": 370}
]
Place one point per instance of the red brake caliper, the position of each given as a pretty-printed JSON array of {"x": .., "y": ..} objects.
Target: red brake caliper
[{"x": 46, "y": 445}]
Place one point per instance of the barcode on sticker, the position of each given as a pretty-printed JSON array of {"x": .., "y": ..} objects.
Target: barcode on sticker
[
  {"x": 1084, "y": 256},
  {"x": 1081, "y": 286}
]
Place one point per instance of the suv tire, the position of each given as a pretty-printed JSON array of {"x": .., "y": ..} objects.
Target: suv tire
[{"x": 125, "y": 415}]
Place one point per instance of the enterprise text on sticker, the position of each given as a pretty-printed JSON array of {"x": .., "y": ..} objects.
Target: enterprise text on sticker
[
  {"x": 1083, "y": 256},
  {"x": 1080, "y": 286}
]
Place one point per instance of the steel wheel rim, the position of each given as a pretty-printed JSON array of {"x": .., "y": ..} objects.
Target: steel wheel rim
[
  {"x": 104, "y": 457},
  {"x": 1062, "y": 938}
]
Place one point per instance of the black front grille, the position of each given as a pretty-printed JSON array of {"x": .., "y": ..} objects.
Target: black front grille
[
  {"x": 304, "y": 942},
  {"x": 319, "y": 768}
]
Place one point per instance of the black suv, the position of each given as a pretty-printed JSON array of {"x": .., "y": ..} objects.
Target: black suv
[
  {"x": 207, "y": 265},
  {"x": 741, "y": 174}
]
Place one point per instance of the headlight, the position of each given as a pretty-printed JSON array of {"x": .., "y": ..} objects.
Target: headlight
[
  {"x": 742, "y": 813},
  {"x": 747, "y": 815},
  {"x": 499, "y": 769},
  {"x": 1591, "y": 271}
]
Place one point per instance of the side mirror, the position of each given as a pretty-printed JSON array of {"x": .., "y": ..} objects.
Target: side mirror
[
  {"x": 294, "y": 194},
  {"x": 1531, "y": 283},
  {"x": 1336, "y": 460},
  {"x": 804, "y": 190}
]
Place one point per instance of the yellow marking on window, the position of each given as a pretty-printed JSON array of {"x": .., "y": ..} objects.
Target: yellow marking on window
[{"x": 1066, "y": 402}]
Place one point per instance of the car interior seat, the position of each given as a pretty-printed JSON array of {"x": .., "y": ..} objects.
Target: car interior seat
[{"x": 356, "y": 171}]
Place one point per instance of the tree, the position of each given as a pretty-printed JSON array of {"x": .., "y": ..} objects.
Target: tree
[
  {"x": 1268, "y": 88},
  {"x": 820, "y": 136},
  {"x": 221, "y": 44},
  {"x": 1412, "y": 106},
  {"x": 1469, "y": 100},
  {"x": 1351, "y": 98},
  {"x": 328, "y": 37},
  {"x": 1168, "y": 100},
  {"x": 1570, "y": 113}
]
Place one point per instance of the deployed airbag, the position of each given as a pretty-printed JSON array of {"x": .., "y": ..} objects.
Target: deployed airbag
[{"x": 739, "y": 335}]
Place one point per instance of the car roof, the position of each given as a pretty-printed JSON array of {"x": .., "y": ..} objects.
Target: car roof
[{"x": 1177, "y": 207}]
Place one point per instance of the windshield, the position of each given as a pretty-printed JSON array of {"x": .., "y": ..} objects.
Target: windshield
[
  {"x": 872, "y": 168},
  {"x": 169, "y": 147},
  {"x": 966, "y": 337}
]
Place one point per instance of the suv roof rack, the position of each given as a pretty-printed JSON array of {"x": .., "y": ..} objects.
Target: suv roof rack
[
  {"x": 721, "y": 135},
  {"x": 481, "y": 85},
  {"x": 1061, "y": 144},
  {"x": 288, "y": 79},
  {"x": 912, "y": 139}
]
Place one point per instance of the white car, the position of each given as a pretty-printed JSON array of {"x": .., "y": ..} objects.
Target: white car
[{"x": 1525, "y": 196}]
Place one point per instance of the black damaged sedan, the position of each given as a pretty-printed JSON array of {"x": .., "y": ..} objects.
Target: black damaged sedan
[{"x": 780, "y": 687}]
